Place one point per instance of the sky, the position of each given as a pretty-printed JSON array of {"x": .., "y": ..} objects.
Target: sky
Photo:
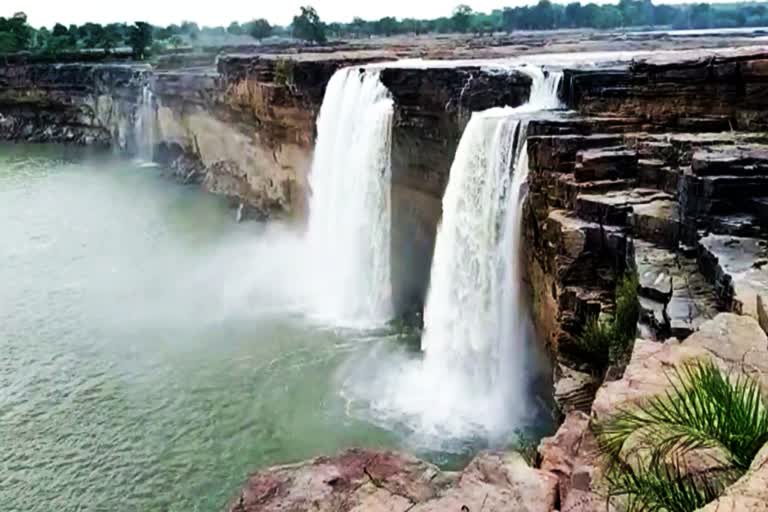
[{"x": 222, "y": 12}]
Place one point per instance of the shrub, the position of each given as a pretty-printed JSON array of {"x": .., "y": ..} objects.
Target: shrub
[
  {"x": 609, "y": 341},
  {"x": 704, "y": 408}
]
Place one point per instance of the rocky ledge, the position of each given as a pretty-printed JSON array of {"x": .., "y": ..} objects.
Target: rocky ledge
[{"x": 374, "y": 481}]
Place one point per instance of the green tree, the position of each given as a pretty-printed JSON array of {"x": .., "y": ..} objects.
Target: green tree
[
  {"x": 308, "y": 26},
  {"x": 259, "y": 29},
  {"x": 574, "y": 15},
  {"x": 462, "y": 18},
  {"x": 701, "y": 16},
  {"x": 608, "y": 16},
  {"x": 360, "y": 27},
  {"x": 93, "y": 35},
  {"x": 140, "y": 39},
  {"x": 385, "y": 26},
  {"x": 235, "y": 29},
  {"x": 543, "y": 15},
  {"x": 114, "y": 35}
]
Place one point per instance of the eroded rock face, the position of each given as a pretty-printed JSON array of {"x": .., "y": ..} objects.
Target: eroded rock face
[
  {"x": 371, "y": 481},
  {"x": 85, "y": 104}
]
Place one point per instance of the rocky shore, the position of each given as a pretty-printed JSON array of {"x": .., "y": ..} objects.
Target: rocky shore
[{"x": 656, "y": 165}]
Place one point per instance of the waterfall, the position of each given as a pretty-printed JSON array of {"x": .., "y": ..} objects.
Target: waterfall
[
  {"x": 476, "y": 323},
  {"x": 349, "y": 209},
  {"x": 144, "y": 129},
  {"x": 474, "y": 377}
]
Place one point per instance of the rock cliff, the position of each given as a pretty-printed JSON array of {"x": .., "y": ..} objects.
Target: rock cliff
[{"x": 656, "y": 167}]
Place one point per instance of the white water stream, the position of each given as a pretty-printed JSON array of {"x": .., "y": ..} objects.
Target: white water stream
[
  {"x": 473, "y": 380},
  {"x": 348, "y": 236},
  {"x": 144, "y": 130}
]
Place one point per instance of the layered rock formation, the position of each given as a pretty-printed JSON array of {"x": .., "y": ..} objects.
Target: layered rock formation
[
  {"x": 658, "y": 167},
  {"x": 659, "y": 171},
  {"x": 658, "y": 183},
  {"x": 89, "y": 104}
]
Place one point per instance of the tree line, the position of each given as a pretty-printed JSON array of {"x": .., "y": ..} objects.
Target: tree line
[{"x": 16, "y": 35}]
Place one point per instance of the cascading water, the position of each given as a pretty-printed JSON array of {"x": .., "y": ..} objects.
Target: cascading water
[
  {"x": 476, "y": 323},
  {"x": 349, "y": 220},
  {"x": 473, "y": 378},
  {"x": 144, "y": 130}
]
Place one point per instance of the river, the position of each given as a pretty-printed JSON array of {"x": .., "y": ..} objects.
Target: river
[{"x": 147, "y": 361}]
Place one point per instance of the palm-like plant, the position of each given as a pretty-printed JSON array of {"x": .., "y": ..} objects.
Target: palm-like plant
[
  {"x": 704, "y": 408},
  {"x": 664, "y": 487}
]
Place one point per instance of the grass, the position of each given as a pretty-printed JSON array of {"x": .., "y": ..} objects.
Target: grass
[
  {"x": 605, "y": 342},
  {"x": 704, "y": 408}
]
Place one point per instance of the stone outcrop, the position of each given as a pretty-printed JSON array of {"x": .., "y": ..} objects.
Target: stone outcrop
[
  {"x": 730, "y": 84},
  {"x": 87, "y": 104},
  {"x": 658, "y": 169},
  {"x": 370, "y": 481},
  {"x": 733, "y": 342}
]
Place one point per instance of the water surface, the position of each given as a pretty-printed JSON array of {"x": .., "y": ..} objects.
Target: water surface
[{"x": 149, "y": 361}]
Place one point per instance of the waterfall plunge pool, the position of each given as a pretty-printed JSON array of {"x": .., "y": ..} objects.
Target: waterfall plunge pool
[{"x": 153, "y": 351}]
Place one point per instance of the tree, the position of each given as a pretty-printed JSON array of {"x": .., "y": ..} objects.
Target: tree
[
  {"x": 543, "y": 15},
  {"x": 235, "y": 29},
  {"x": 259, "y": 29},
  {"x": 360, "y": 27},
  {"x": 385, "y": 26},
  {"x": 139, "y": 39},
  {"x": 308, "y": 26},
  {"x": 191, "y": 29},
  {"x": 462, "y": 17},
  {"x": 93, "y": 35},
  {"x": 574, "y": 15},
  {"x": 114, "y": 35},
  {"x": 701, "y": 16},
  {"x": 608, "y": 16}
]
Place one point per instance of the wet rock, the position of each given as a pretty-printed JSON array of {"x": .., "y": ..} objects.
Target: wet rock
[{"x": 736, "y": 266}]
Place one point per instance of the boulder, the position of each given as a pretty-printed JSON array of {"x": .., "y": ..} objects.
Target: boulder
[{"x": 559, "y": 452}]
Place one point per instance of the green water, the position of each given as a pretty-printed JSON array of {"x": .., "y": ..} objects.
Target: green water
[{"x": 141, "y": 367}]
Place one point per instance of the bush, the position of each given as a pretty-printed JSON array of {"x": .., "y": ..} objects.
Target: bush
[
  {"x": 609, "y": 341},
  {"x": 704, "y": 408}
]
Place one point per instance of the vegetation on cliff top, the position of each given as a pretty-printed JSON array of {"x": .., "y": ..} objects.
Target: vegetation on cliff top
[
  {"x": 17, "y": 35},
  {"x": 721, "y": 417}
]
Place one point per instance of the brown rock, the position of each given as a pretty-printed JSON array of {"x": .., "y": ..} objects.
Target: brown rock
[
  {"x": 558, "y": 453},
  {"x": 749, "y": 493},
  {"x": 371, "y": 481}
]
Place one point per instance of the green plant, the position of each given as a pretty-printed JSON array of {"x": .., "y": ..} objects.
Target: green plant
[
  {"x": 625, "y": 319},
  {"x": 704, "y": 408},
  {"x": 607, "y": 341},
  {"x": 662, "y": 488},
  {"x": 595, "y": 341},
  {"x": 284, "y": 72}
]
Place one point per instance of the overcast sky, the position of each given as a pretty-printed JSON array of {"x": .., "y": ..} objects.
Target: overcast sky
[{"x": 221, "y": 12}]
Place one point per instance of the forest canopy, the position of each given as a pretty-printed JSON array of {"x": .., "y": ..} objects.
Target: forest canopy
[{"x": 16, "y": 35}]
